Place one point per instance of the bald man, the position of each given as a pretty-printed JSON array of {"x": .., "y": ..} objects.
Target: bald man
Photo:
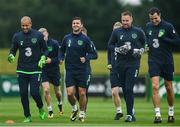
[{"x": 31, "y": 46}]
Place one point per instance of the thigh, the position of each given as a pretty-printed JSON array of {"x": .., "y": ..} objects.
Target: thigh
[
  {"x": 154, "y": 69},
  {"x": 131, "y": 76},
  {"x": 44, "y": 76},
  {"x": 114, "y": 79},
  {"x": 34, "y": 82},
  {"x": 23, "y": 81},
  {"x": 121, "y": 75},
  {"x": 55, "y": 79},
  {"x": 167, "y": 72},
  {"x": 82, "y": 79},
  {"x": 69, "y": 79}
]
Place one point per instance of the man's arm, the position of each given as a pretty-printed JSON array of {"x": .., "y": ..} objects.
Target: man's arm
[{"x": 13, "y": 50}]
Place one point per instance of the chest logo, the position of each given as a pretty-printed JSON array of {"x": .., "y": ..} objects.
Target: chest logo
[
  {"x": 21, "y": 43},
  {"x": 121, "y": 36},
  {"x": 80, "y": 42},
  {"x": 34, "y": 40},
  {"x": 50, "y": 48},
  {"x": 69, "y": 43},
  {"x": 161, "y": 32},
  {"x": 134, "y": 35},
  {"x": 150, "y": 32}
]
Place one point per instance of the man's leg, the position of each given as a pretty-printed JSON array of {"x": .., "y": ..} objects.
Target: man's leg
[
  {"x": 117, "y": 102},
  {"x": 156, "y": 99},
  {"x": 131, "y": 76},
  {"x": 170, "y": 99},
  {"x": 47, "y": 96},
  {"x": 59, "y": 98},
  {"x": 23, "y": 86},
  {"x": 35, "y": 93},
  {"x": 72, "y": 101},
  {"x": 82, "y": 103}
]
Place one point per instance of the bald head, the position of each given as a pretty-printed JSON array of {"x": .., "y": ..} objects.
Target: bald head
[
  {"x": 26, "y": 24},
  {"x": 25, "y": 19}
]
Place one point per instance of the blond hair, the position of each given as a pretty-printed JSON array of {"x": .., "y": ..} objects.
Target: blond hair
[{"x": 117, "y": 25}]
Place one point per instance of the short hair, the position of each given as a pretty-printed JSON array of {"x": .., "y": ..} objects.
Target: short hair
[
  {"x": 117, "y": 25},
  {"x": 77, "y": 18},
  {"x": 42, "y": 30},
  {"x": 26, "y": 18},
  {"x": 126, "y": 13},
  {"x": 154, "y": 10}
]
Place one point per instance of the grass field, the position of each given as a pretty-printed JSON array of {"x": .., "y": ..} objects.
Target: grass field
[{"x": 100, "y": 113}]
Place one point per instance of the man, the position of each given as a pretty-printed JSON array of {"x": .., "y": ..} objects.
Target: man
[
  {"x": 84, "y": 31},
  {"x": 128, "y": 42},
  {"x": 114, "y": 79},
  {"x": 51, "y": 73},
  {"x": 160, "y": 60},
  {"x": 31, "y": 46},
  {"x": 78, "y": 50}
]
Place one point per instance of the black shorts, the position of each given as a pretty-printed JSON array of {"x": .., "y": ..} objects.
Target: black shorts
[
  {"x": 114, "y": 79},
  {"x": 79, "y": 79},
  {"x": 164, "y": 70},
  {"x": 52, "y": 77}
]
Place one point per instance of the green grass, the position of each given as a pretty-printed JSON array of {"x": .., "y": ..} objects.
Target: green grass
[
  {"x": 98, "y": 66},
  {"x": 100, "y": 113}
]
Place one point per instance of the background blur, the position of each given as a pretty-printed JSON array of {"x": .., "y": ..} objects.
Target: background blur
[{"x": 98, "y": 16}]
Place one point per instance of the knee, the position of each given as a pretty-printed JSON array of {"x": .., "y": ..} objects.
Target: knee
[
  {"x": 155, "y": 87},
  {"x": 34, "y": 93},
  {"x": 46, "y": 91},
  {"x": 70, "y": 93},
  {"x": 114, "y": 93},
  {"x": 169, "y": 87},
  {"x": 82, "y": 92},
  {"x": 23, "y": 93}
]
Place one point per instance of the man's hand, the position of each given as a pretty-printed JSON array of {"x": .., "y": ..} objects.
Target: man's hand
[
  {"x": 109, "y": 66},
  {"x": 123, "y": 49},
  {"x": 42, "y": 61},
  {"x": 11, "y": 58},
  {"x": 138, "y": 52},
  {"x": 82, "y": 59},
  {"x": 48, "y": 60},
  {"x": 61, "y": 62}
]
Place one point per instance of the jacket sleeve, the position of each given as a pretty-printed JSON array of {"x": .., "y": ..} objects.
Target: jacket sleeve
[{"x": 14, "y": 46}]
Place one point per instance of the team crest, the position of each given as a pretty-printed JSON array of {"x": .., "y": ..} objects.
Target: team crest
[
  {"x": 121, "y": 36},
  {"x": 34, "y": 40},
  {"x": 134, "y": 35},
  {"x": 150, "y": 32},
  {"x": 21, "y": 43},
  {"x": 161, "y": 32},
  {"x": 69, "y": 43},
  {"x": 50, "y": 48},
  {"x": 80, "y": 42}
]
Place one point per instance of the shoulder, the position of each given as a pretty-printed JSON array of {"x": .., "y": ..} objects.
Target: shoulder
[
  {"x": 138, "y": 29},
  {"x": 167, "y": 24},
  {"x": 68, "y": 36},
  {"x": 85, "y": 38},
  {"x": 149, "y": 24},
  {"x": 55, "y": 42},
  {"x": 37, "y": 33}
]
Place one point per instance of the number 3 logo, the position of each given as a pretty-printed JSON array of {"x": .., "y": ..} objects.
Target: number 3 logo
[
  {"x": 28, "y": 52},
  {"x": 155, "y": 43}
]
